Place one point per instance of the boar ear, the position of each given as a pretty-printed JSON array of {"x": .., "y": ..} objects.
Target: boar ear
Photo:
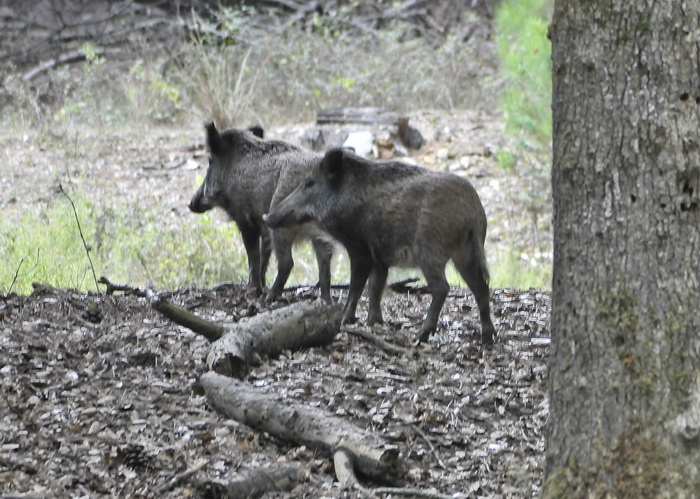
[
  {"x": 214, "y": 140},
  {"x": 257, "y": 130},
  {"x": 332, "y": 165}
]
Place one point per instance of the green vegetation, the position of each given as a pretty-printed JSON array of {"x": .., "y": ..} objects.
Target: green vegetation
[
  {"x": 127, "y": 243},
  {"x": 526, "y": 73},
  {"x": 525, "y": 55}
]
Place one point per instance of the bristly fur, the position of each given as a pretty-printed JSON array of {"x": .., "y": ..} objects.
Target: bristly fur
[
  {"x": 245, "y": 143},
  {"x": 247, "y": 175},
  {"x": 389, "y": 214}
]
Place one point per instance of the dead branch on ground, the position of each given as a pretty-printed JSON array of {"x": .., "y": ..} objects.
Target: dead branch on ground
[
  {"x": 237, "y": 347},
  {"x": 370, "y": 455},
  {"x": 375, "y": 340},
  {"x": 255, "y": 483}
]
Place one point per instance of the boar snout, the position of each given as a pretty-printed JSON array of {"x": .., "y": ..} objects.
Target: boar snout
[
  {"x": 271, "y": 220},
  {"x": 197, "y": 203},
  {"x": 285, "y": 217}
]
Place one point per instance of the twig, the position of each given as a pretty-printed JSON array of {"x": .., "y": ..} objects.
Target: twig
[
  {"x": 430, "y": 444},
  {"x": 181, "y": 477},
  {"x": 16, "y": 275},
  {"x": 129, "y": 290},
  {"x": 80, "y": 230},
  {"x": 384, "y": 345}
]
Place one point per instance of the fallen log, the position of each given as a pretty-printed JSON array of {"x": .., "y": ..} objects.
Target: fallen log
[
  {"x": 300, "y": 325},
  {"x": 254, "y": 483},
  {"x": 236, "y": 348},
  {"x": 369, "y": 454}
]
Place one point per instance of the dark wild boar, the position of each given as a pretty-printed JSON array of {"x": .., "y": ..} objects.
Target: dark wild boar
[
  {"x": 390, "y": 214},
  {"x": 248, "y": 176}
]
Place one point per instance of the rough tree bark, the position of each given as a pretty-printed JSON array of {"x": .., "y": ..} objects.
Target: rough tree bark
[{"x": 625, "y": 365}]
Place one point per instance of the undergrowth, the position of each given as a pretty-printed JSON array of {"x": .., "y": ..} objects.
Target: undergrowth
[{"x": 127, "y": 243}]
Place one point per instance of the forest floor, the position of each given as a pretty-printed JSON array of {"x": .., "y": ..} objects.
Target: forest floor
[{"x": 113, "y": 408}]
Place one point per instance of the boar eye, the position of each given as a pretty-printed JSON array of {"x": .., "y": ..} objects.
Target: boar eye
[{"x": 309, "y": 183}]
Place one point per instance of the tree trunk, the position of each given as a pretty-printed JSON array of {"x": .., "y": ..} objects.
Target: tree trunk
[{"x": 624, "y": 385}]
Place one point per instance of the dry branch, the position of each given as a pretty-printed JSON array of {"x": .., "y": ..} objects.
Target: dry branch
[
  {"x": 371, "y": 455},
  {"x": 208, "y": 329},
  {"x": 375, "y": 340},
  {"x": 402, "y": 287},
  {"x": 235, "y": 348},
  {"x": 181, "y": 477},
  {"x": 411, "y": 492}
]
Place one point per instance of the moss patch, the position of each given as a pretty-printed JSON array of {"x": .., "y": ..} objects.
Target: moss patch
[{"x": 639, "y": 465}]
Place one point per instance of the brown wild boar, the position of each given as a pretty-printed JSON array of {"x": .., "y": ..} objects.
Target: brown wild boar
[
  {"x": 390, "y": 214},
  {"x": 248, "y": 176}
]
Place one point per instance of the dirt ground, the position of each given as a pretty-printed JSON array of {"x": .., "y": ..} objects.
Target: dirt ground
[{"x": 112, "y": 408}]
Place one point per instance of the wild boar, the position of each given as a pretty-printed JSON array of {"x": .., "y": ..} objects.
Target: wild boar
[
  {"x": 248, "y": 176},
  {"x": 390, "y": 214}
]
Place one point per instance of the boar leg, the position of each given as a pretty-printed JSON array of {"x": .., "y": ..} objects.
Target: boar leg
[
  {"x": 324, "y": 252},
  {"x": 435, "y": 276},
  {"x": 265, "y": 252},
  {"x": 251, "y": 241},
  {"x": 359, "y": 272},
  {"x": 282, "y": 240},
  {"x": 377, "y": 283},
  {"x": 472, "y": 268}
]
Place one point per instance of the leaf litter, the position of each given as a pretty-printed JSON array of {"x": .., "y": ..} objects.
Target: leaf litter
[{"x": 113, "y": 408}]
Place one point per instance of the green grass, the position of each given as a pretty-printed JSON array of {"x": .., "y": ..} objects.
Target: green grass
[
  {"x": 127, "y": 243},
  {"x": 525, "y": 55}
]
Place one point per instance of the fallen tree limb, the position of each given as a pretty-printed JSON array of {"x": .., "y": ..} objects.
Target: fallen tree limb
[
  {"x": 254, "y": 483},
  {"x": 342, "y": 463},
  {"x": 300, "y": 325},
  {"x": 67, "y": 58},
  {"x": 402, "y": 287},
  {"x": 208, "y": 329},
  {"x": 370, "y": 455},
  {"x": 181, "y": 477},
  {"x": 235, "y": 348},
  {"x": 376, "y": 340},
  {"x": 125, "y": 288}
]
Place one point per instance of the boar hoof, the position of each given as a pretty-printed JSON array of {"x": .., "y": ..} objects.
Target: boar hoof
[
  {"x": 423, "y": 335},
  {"x": 487, "y": 336},
  {"x": 349, "y": 320}
]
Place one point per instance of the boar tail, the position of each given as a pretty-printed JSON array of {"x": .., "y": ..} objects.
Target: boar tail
[
  {"x": 481, "y": 257},
  {"x": 470, "y": 260}
]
